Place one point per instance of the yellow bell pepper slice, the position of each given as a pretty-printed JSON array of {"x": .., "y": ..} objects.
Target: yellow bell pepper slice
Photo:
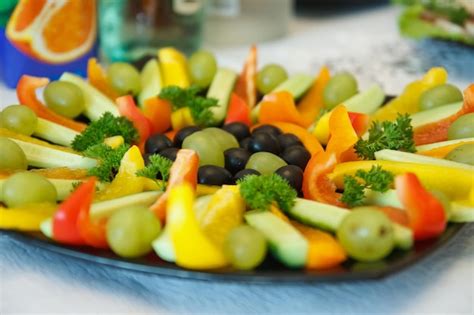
[
  {"x": 126, "y": 182},
  {"x": 182, "y": 118},
  {"x": 193, "y": 249},
  {"x": 408, "y": 101},
  {"x": 114, "y": 142},
  {"x": 26, "y": 218},
  {"x": 455, "y": 183},
  {"x": 174, "y": 67}
]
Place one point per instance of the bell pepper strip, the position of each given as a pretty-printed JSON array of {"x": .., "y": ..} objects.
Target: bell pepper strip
[
  {"x": 114, "y": 142},
  {"x": 343, "y": 136},
  {"x": 455, "y": 183},
  {"x": 396, "y": 215},
  {"x": 309, "y": 141},
  {"x": 279, "y": 106},
  {"x": 174, "y": 67},
  {"x": 127, "y": 108},
  {"x": 238, "y": 111},
  {"x": 97, "y": 78},
  {"x": 246, "y": 86},
  {"x": 438, "y": 131},
  {"x": 426, "y": 215},
  {"x": 171, "y": 134},
  {"x": 360, "y": 122},
  {"x": 126, "y": 182},
  {"x": 25, "y": 218},
  {"x": 65, "y": 227},
  {"x": 408, "y": 101},
  {"x": 93, "y": 233},
  {"x": 442, "y": 151},
  {"x": 324, "y": 250},
  {"x": 26, "y": 93},
  {"x": 158, "y": 111},
  {"x": 193, "y": 249},
  {"x": 183, "y": 170},
  {"x": 311, "y": 104},
  {"x": 182, "y": 118}
]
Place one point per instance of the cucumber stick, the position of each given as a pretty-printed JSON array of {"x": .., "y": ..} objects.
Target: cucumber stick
[
  {"x": 434, "y": 114},
  {"x": 221, "y": 87},
  {"x": 151, "y": 81},
  {"x": 461, "y": 213},
  {"x": 436, "y": 145},
  {"x": 54, "y": 133},
  {"x": 366, "y": 102},
  {"x": 287, "y": 244},
  {"x": 163, "y": 246},
  {"x": 328, "y": 217},
  {"x": 96, "y": 103},
  {"x": 40, "y": 156}
]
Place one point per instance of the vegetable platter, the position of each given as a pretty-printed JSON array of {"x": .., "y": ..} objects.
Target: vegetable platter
[{"x": 190, "y": 169}]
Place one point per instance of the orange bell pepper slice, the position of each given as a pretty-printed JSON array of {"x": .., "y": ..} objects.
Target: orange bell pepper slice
[
  {"x": 158, "y": 111},
  {"x": 438, "y": 131},
  {"x": 246, "y": 86},
  {"x": 311, "y": 104},
  {"x": 97, "y": 78},
  {"x": 279, "y": 106},
  {"x": 360, "y": 122},
  {"x": 183, "y": 170},
  {"x": 26, "y": 93},
  {"x": 343, "y": 136}
]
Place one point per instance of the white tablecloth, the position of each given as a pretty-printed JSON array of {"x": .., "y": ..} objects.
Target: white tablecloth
[{"x": 365, "y": 42}]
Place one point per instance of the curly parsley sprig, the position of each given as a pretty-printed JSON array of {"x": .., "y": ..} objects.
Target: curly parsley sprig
[
  {"x": 158, "y": 167},
  {"x": 109, "y": 160}
]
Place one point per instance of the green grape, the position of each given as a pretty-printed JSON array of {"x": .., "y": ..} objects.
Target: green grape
[
  {"x": 366, "y": 234},
  {"x": 27, "y": 188},
  {"x": 462, "y": 154},
  {"x": 65, "y": 98},
  {"x": 270, "y": 77},
  {"x": 440, "y": 95},
  {"x": 245, "y": 247},
  {"x": 19, "y": 118},
  {"x": 265, "y": 162},
  {"x": 339, "y": 88},
  {"x": 202, "y": 68},
  {"x": 206, "y": 147},
  {"x": 124, "y": 78},
  {"x": 12, "y": 156},
  {"x": 444, "y": 200},
  {"x": 131, "y": 230},
  {"x": 461, "y": 128},
  {"x": 225, "y": 139}
]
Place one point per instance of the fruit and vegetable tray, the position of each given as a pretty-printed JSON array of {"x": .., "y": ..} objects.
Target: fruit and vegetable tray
[{"x": 188, "y": 168}]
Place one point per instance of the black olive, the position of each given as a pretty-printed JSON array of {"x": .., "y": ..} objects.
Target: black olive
[
  {"x": 245, "y": 172},
  {"x": 235, "y": 159},
  {"x": 156, "y": 143},
  {"x": 214, "y": 175},
  {"x": 169, "y": 153},
  {"x": 239, "y": 130},
  {"x": 263, "y": 142},
  {"x": 183, "y": 133},
  {"x": 244, "y": 144},
  {"x": 268, "y": 129},
  {"x": 287, "y": 140},
  {"x": 296, "y": 155},
  {"x": 293, "y": 174}
]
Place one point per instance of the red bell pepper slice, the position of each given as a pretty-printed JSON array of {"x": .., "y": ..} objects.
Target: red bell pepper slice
[
  {"x": 246, "y": 86},
  {"x": 438, "y": 131},
  {"x": 65, "y": 227},
  {"x": 360, "y": 122},
  {"x": 26, "y": 93},
  {"x": 238, "y": 111},
  {"x": 426, "y": 215},
  {"x": 127, "y": 108},
  {"x": 395, "y": 215},
  {"x": 183, "y": 170},
  {"x": 158, "y": 111}
]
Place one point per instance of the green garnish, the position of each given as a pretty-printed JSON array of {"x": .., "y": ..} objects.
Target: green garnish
[
  {"x": 261, "y": 191},
  {"x": 107, "y": 126},
  {"x": 198, "y": 105},
  {"x": 109, "y": 160},
  {"x": 375, "y": 179},
  {"x": 158, "y": 165},
  {"x": 397, "y": 135}
]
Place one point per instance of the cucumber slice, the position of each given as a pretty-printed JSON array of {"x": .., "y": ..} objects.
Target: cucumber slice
[
  {"x": 151, "y": 81},
  {"x": 286, "y": 243},
  {"x": 399, "y": 156},
  {"x": 461, "y": 213},
  {"x": 431, "y": 146},
  {"x": 296, "y": 85},
  {"x": 435, "y": 114},
  {"x": 105, "y": 209},
  {"x": 54, "y": 133},
  {"x": 46, "y": 227},
  {"x": 163, "y": 246},
  {"x": 96, "y": 103},
  {"x": 40, "y": 156},
  {"x": 221, "y": 87},
  {"x": 367, "y": 101},
  {"x": 382, "y": 199}
]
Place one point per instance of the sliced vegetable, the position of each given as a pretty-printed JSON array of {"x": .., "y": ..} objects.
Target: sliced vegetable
[
  {"x": 54, "y": 132},
  {"x": 246, "y": 86},
  {"x": 441, "y": 149},
  {"x": 279, "y": 106},
  {"x": 221, "y": 88},
  {"x": 150, "y": 81},
  {"x": 25, "y": 218},
  {"x": 174, "y": 69},
  {"x": 366, "y": 102},
  {"x": 127, "y": 108},
  {"x": 238, "y": 111},
  {"x": 158, "y": 112},
  {"x": 98, "y": 78},
  {"x": 312, "y": 103}
]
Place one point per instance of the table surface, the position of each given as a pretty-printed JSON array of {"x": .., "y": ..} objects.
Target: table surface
[{"x": 365, "y": 42}]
